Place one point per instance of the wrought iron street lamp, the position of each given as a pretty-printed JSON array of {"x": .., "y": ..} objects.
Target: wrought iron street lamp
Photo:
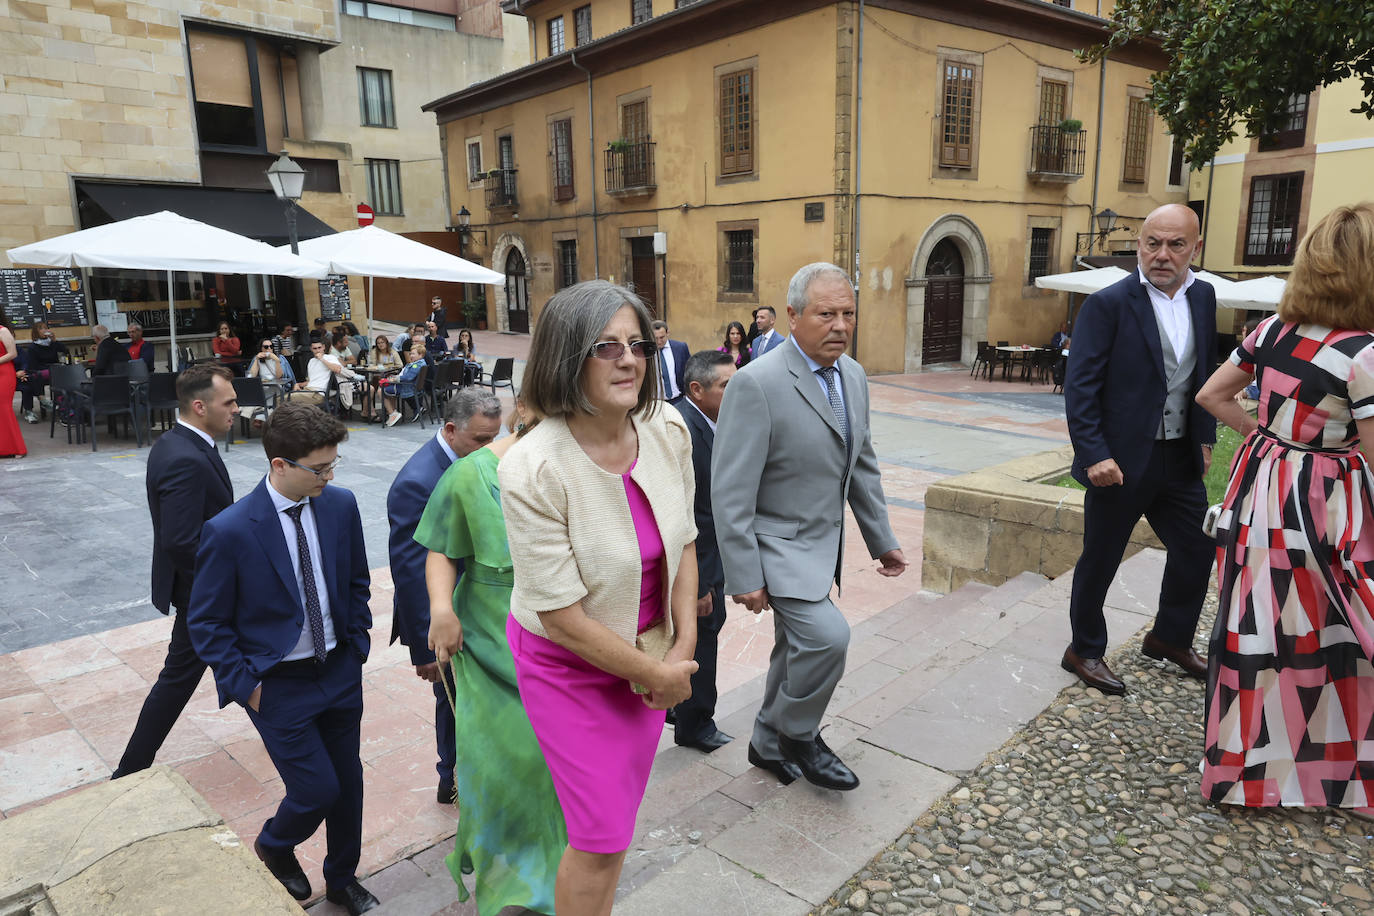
[
  {"x": 1106, "y": 225},
  {"x": 465, "y": 230},
  {"x": 288, "y": 183}
]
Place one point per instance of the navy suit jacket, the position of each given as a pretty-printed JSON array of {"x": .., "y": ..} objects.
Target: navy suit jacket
[
  {"x": 109, "y": 352},
  {"x": 246, "y": 612},
  {"x": 405, "y": 503},
  {"x": 758, "y": 348},
  {"x": 1114, "y": 387},
  {"x": 187, "y": 486},
  {"x": 680, "y": 356},
  {"x": 710, "y": 572}
]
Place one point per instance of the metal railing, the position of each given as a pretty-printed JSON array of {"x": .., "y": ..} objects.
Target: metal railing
[
  {"x": 1059, "y": 152},
  {"x": 630, "y": 167},
  {"x": 500, "y": 188}
]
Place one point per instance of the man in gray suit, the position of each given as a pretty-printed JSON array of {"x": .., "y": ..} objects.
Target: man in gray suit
[{"x": 792, "y": 446}]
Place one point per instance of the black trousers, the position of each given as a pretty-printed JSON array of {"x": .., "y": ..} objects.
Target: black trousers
[
  {"x": 1171, "y": 496},
  {"x": 444, "y": 735},
  {"x": 180, "y": 675},
  {"x": 696, "y": 714}
]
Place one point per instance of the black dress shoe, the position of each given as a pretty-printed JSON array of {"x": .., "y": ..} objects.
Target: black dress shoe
[
  {"x": 355, "y": 898},
  {"x": 786, "y": 771},
  {"x": 708, "y": 742},
  {"x": 1093, "y": 672},
  {"x": 1192, "y": 664},
  {"x": 447, "y": 794},
  {"x": 286, "y": 869},
  {"x": 818, "y": 763}
]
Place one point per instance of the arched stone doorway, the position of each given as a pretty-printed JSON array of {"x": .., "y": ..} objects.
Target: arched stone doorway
[
  {"x": 510, "y": 257},
  {"x": 943, "y": 322},
  {"x": 517, "y": 293},
  {"x": 960, "y": 235}
]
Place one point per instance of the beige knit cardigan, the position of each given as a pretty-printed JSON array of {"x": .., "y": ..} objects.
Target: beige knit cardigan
[{"x": 569, "y": 526}]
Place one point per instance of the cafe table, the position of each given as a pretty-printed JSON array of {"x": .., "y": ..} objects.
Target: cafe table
[
  {"x": 1021, "y": 354},
  {"x": 374, "y": 375}
]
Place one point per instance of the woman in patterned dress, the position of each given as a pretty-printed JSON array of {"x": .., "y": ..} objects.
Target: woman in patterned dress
[{"x": 1290, "y": 686}]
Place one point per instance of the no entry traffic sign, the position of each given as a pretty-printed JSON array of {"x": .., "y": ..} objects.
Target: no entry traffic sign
[{"x": 365, "y": 215}]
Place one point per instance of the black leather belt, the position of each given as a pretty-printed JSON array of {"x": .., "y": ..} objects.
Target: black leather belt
[{"x": 301, "y": 667}]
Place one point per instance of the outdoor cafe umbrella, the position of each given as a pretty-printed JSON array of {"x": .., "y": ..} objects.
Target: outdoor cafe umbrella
[
  {"x": 1259, "y": 293},
  {"x": 374, "y": 252},
  {"x": 165, "y": 241},
  {"x": 1082, "y": 281}
]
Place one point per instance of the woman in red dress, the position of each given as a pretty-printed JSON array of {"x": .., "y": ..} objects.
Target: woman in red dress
[{"x": 11, "y": 440}]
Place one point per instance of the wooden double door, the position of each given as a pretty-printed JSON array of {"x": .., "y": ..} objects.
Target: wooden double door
[{"x": 943, "y": 326}]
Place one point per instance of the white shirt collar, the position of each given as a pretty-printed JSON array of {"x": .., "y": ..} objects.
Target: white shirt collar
[
  {"x": 709, "y": 421},
  {"x": 443, "y": 444},
  {"x": 1188, "y": 278},
  {"x": 281, "y": 502},
  {"x": 811, "y": 363},
  {"x": 209, "y": 440}
]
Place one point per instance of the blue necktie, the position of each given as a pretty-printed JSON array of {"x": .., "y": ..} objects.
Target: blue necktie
[
  {"x": 665, "y": 382},
  {"x": 313, "y": 618},
  {"x": 832, "y": 394}
]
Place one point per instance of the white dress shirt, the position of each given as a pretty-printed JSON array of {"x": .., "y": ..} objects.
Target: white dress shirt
[
  {"x": 443, "y": 444},
  {"x": 209, "y": 440},
  {"x": 709, "y": 422},
  {"x": 1173, "y": 312},
  {"x": 669, "y": 380},
  {"x": 305, "y": 646}
]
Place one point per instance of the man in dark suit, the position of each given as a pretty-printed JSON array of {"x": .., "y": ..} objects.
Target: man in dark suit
[
  {"x": 1141, "y": 350},
  {"x": 472, "y": 419},
  {"x": 438, "y": 314},
  {"x": 108, "y": 351},
  {"x": 279, "y": 612},
  {"x": 768, "y": 337},
  {"x": 187, "y": 486},
  {"x": 707, "y": 374},
  {"x": 672, "y": 360}
]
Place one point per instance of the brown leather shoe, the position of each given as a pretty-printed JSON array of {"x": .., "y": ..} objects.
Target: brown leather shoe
[
  {"x": 1187, "y": 659},
  {"x": 1093, "y": 672}
]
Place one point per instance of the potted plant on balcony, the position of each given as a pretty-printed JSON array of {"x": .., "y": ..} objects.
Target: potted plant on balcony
[
  {"x": 619, "y": 145},
  {"x": 1070, "y": 125},
  {"x": 475, "y": 314}
]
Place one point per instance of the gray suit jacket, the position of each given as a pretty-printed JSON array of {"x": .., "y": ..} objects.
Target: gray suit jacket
[{"x": 781, "y": 476}]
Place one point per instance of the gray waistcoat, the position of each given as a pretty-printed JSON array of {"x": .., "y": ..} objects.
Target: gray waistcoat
[{"x": 1178, "y": 374}]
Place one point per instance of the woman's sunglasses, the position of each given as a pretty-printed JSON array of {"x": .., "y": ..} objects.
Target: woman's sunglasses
[{"x": 614, "y": 349}]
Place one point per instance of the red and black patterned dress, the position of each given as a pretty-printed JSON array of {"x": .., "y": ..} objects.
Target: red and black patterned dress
[{"x": 1290, "y": 689}]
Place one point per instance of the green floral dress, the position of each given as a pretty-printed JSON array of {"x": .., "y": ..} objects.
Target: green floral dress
[{"x": 511, "y": 833}]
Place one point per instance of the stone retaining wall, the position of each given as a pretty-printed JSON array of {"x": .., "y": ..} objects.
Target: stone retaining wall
[{"x": 996, "y": 523}]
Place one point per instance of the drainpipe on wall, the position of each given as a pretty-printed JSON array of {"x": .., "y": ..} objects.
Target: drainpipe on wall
[
  {"x": 858, "y": 173},
  {"x": 591, "y": 162},
  {"x": 1097, "y": 154},
  {"x": 1207, "y": 211}
]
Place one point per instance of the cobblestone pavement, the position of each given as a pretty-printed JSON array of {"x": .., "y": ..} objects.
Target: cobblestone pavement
[{"x": 1095, "y": 808}]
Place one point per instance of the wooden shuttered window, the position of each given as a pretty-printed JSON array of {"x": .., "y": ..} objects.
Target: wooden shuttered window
[
  {"x": 956, "y": 140},
  {"x": 561, "y": 140},
  {"x": 1137, "y": 140},
  {"x": 737, "y": 122},
  {"x": 1053, "y": 100}
]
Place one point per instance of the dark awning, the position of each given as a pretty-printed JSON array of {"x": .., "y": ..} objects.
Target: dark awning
[
  {"x": 256, "y": 214},
  {"x": 1124, "y": 261}
]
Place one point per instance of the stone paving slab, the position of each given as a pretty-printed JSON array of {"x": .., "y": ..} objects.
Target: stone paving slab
[{"x": 707, "y": 882}]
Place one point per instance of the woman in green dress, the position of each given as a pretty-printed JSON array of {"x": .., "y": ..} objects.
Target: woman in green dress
[{"x": 511, "y": 833}]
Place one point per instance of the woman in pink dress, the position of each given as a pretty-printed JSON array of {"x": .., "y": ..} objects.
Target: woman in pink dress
[
  {"x": 11, "y": 439},
  {"x": 736, "y": 345},
  {"x": 598, "y": 503}
]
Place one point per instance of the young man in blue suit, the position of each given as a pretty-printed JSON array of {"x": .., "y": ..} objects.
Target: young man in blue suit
[
  {"x": 472, "y": 419},
  {"x": 768, "y": 338},
  {"x": 1141, "y": 350},
  {"x": 187, "y": 486},
  {"x": 707, "y": 374},
  {"x": 279, "y": 612},
  {"x": 672, "y": 361}
]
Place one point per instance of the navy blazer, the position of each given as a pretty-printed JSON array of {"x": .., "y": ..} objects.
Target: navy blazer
[
  {"x": 187, "y": 486},
  {"x": 405, "y": 503},
  {"x": 246, "y": 612},
  {"x": 1114, "y": 387},
  {"x": 680, "y": 356},
  {"x": 757, "y": 348},
  {"x": 109, "y": 352},
  {"x": 710, "y": 572}
]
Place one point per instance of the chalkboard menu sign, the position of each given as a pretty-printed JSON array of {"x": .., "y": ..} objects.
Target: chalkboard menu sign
[
  {"x": 55, "y": 295},
  {"x": 334, "y": 298}
]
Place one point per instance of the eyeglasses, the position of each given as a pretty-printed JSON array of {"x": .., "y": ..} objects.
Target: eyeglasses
[
  {"x": 318, "y": 472},
  {"x": 614, "y": 349}
]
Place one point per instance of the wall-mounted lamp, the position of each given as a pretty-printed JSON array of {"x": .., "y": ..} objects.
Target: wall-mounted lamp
[
  {"x": 1106, "y": 225},
  {"x": 465, "y": 230}
]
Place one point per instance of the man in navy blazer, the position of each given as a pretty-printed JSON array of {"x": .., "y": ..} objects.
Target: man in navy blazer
[
  {"x": 472, "y": 419},
  {"x": 672, "y": 363},
  {"x": 1141, "y": 350},
  {"x": 279, "y": 612},
  {"x": 187, "y": 486},
  {"x": 707, "y": 374},
  {"x": 769, "y": 338}
]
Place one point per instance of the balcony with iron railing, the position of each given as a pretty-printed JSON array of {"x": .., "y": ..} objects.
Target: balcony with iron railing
[
  {"x": 630, "y": 169},
  {"x": 500, "y": 189},
  {"x": 1057, "y": 155}
]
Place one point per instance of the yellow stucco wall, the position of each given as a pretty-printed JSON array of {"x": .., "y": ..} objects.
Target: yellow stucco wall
[{"x": 796, "y": 148}]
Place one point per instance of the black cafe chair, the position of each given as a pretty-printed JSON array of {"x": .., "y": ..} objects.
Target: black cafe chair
[
  {"x": 68, "y": 399},
  {"x": 162, "y": 397},
  {"x": 251, "y": 394},
  {"x": 500, "y": 375},
  {"x": 111, "y": 397}
]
